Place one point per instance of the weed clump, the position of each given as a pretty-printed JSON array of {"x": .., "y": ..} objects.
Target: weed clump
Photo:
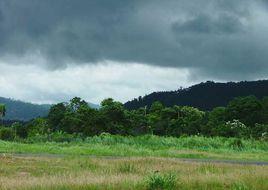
[{"x": 157, "y": 181}]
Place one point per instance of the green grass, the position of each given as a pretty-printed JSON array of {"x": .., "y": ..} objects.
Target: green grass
[{"x": 148, "y": 146}]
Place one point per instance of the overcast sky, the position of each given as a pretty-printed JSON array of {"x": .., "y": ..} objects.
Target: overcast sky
[{"x": 52, "y": 50}]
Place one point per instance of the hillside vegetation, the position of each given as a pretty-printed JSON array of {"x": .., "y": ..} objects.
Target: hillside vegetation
[
  {"x": 23, "y": 111},
  {"x": 204, "y": 96}
]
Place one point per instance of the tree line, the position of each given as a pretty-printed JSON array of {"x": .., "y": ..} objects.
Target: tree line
[{"x": 243, "y": 117}]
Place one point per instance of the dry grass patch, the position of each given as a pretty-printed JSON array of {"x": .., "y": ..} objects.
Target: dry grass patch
[{"x": 125, "y": 173}]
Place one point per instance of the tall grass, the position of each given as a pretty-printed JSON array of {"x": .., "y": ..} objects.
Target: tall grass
[
  {"x": 192, "y": 142},
  {"x": 148, "y": 145}
]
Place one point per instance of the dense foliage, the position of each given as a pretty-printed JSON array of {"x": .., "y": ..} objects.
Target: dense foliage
[{"x": 243, "y": 117}]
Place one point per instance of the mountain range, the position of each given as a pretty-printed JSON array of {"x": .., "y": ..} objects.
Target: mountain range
[{"x": 205, "y": 96}]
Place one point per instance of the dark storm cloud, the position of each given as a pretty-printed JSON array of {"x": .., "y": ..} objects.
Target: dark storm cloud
[{"x": 219, "y": 38}]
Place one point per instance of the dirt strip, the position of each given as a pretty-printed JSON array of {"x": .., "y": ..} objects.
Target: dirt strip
[{"x": 190, "y": 160}]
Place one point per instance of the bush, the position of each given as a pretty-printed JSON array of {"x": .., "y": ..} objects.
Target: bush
[
  {"x": 7, "y": 134},
  {"x": 156, "y": 181}
]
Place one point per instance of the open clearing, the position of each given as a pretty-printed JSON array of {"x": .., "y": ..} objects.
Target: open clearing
[{"x": 68, "y": 172}]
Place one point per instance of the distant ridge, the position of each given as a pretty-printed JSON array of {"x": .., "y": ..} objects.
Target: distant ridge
[
  {"x": 205, "y": 96},
  {"x": 24, "y": 111}
]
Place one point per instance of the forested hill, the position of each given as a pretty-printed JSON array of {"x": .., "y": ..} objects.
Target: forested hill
[
  {"x": 204, "y": 96},
  {"x": 23, "y": 111},
  {"x": 18, "y": 110}
]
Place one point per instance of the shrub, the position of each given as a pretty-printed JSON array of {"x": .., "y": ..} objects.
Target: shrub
[
  {"x": 156, "y": 181},
  {"x": 7, "y": 134}
]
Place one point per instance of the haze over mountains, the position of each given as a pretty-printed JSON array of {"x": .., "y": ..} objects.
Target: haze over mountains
[{"x": 204, "y": 96}]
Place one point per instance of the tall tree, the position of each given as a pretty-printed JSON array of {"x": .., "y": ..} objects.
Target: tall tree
[
  {"x": 55, "y": 116},
  {"x": 114, "y": 116}
]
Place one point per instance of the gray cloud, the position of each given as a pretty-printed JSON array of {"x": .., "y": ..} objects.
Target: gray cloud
[
  {"x": 203, "y": 24},
  {"x": 224, "y": 39}
]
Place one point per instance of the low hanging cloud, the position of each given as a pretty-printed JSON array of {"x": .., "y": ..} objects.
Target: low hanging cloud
[
  {"x": 90, "y": 82},
  {"x": 222, "y": 39}
]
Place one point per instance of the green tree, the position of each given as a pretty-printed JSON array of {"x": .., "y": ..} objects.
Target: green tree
[
  {"x": 90, "y": 121},
  {"x": 114, "y": 117},
  {"x": 68, "y": 117},
  {"x": 192, "y": 118},
  {"x": 76, "y": 103},
  {"x": 156, "y": 107},
  {"x": 137, "y": 122},
  {"x": 6, "y": 133},
  {"x": 2, "y": 112},
  {"x": 38, "y": 126},
  {"x": 55, "y": 116},
  {"x": 154, "y": 119},
  {"x": 248, "y": 110},
  {"x": 265, "y": 110},
  {"x": 71, "y": 123},
  {"x": 19, "y": 130},
  {"x": 188, "y": 121},
  {"x": 216, "y": 120}
]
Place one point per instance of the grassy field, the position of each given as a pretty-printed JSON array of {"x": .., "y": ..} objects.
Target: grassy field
[
  {"x": 60, "y": 173},
  {"x": 187, "y": 147},
  {"x": 145, "y": 162}
]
